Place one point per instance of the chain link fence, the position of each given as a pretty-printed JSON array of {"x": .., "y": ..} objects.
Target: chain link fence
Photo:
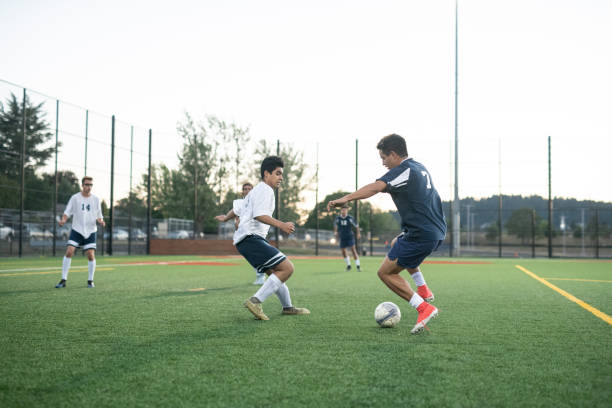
[{"x": 49, "y": 145}]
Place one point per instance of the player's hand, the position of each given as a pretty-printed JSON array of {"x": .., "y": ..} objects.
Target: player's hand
[
  {"x": 288, "y": 227},
  {"x": 220, "y": 218},
  {"x": 336, "y": 203},
  {"x": 102, "y": 223}
]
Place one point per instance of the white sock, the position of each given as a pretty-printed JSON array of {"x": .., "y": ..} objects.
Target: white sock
[
  {"x": 91, "y": 267},
  {"x": 284, "y": 296},
  {"x": 269, "y": 287},
  {"x": 65, "y": 267},
  {"x": 357, "y": 262},
  {"x": 348, "y": 261},
  {"x": 418, "y": 278},
  {"x": 416, "y": 300}
]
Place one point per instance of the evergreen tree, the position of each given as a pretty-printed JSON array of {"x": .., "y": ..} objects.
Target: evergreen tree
[{"x": 11, "y": 136}]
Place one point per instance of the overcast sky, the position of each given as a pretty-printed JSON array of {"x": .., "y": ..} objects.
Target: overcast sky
[{"x": 329, "y": 72}]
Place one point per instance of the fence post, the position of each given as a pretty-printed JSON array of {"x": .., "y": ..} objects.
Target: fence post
[
  {"x": 130, "y": 193},
  {"x": 550, "y": 204},
  {"x": 317, "y": 205},
  {"x": 533, "y": 233},
  {"x": 500, "y": 226},
  {"x": 371, "y": 241},
  {"x": 277, "y": 200},
  {"x": 22, "y": 166},
  {"x": 55, "y": 178},
  {"x": 357, "y": 241},
  {"x": 112, "y": 190},
  {"x": 450, "y": 228},
  {"x": 597, "y": 233},
  {"x": 86, "y": 134},
  {"x": 149, "y": 197}
]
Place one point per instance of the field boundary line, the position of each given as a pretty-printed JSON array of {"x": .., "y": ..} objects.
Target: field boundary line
[
  {"x": 580, "y": 280},
  {"x": 569, "y": 296},
  {"x": 155, "y": 263},
  {"x": 50, "y": 272}
]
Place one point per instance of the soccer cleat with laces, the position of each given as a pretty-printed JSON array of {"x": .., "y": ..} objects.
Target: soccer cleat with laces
[
  {"x": 295, "y": 311},
  {"x": 61, "y": 284},
  {"x": 348, "y": 268},
  {"x": 425, "y": 293},
  {"x": 426, "y": 313},
  {"x": 256, "y": 309},
  {"x": 90, "y": 284},
  {"x": 358, "y": 268}
]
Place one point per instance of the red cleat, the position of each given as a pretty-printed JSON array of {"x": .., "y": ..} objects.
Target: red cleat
[
  {"x": 425, "y": 293},
  {"x": 426, "y": 313}
]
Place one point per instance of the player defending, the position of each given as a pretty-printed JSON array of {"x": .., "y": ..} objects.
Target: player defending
[
  {"x": 423, "y": 223},
  {"x": 235, "y": 214},
  {"x": 250, "y": 240},
  {"x": 343, "y": 229},
  {"x": 86, "y": 211}
]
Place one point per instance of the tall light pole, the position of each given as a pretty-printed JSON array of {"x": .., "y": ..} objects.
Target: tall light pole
[{"x": 456, "y": 203}]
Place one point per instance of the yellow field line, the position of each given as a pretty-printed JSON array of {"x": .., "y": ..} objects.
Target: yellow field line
[
  {"x": 569, "y": 296},
  {"x": 48, "y": 272},
  {"x": 580, "y": 280}
]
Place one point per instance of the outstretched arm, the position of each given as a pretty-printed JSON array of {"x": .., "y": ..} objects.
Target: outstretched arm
[
  {"x": 226, "y": 217},
  {"x": 286, "y": 227},
  {"x": 364, "y": 192}
]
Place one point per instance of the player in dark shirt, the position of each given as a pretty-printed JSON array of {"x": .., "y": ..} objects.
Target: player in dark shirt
[
  {"x": 423, "y": 223},
  {"x": 343, "y": 229}
]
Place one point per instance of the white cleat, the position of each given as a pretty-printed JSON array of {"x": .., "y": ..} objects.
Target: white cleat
[{"x": 261, "y": 278}]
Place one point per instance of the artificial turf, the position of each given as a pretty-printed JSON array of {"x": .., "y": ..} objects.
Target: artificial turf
[{"x": 177, "y": 335}]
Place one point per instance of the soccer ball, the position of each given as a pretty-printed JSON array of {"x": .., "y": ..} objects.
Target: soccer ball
[{"x": 387, "y": 314}]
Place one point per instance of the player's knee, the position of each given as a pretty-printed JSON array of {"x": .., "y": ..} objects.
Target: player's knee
[
  {"x": 289, "y": 267},
  {"x": 382, "y": 275}
]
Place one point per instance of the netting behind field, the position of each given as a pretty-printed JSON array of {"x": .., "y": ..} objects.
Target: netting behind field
[{"x": 117, "y": 154}]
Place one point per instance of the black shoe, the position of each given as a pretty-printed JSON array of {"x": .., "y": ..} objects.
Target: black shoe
[
  {"x": 61, "y": 284},
  {"x": 90, "y": 284},
  {"x": 358, "y": 268},
  {"x": 348, "y": 267}
]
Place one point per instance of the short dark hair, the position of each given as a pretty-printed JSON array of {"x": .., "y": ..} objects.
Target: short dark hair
[
  {"x": 247, "y": 184},
  {"x": 270, "y": 163},
  {"x": 86, "y": 178},
  {"x": 393, "y": 143}
]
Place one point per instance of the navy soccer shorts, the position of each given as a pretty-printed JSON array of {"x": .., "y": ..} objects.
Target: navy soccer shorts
[
  {"x": 411, "y": 254},
  {"x": 77, "y": 240},
  {"x": 259, "y": 253},
  {"x": 347, "y": 242}
]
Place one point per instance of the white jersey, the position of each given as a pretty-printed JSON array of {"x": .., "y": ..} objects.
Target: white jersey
[
  {"x": 237, "y": 206},
  {"x": 85, "y": 211},
  {"x": 259, "y": 201}
]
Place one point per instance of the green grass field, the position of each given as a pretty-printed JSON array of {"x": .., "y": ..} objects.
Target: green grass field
[{"x": 177, "y": 335}]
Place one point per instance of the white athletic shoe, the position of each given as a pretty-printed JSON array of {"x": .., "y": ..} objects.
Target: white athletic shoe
[{"x": 261, "y": 278}]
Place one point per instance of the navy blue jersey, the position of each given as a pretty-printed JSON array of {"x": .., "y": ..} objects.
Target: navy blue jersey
[
  {"x": 417, "y": 201},
  {"x": 345, "y": 226}
]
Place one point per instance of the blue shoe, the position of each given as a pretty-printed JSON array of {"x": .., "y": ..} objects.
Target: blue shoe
[
  {"x": 90, "y": 284},
  {"x": 61, "y": 284}
]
